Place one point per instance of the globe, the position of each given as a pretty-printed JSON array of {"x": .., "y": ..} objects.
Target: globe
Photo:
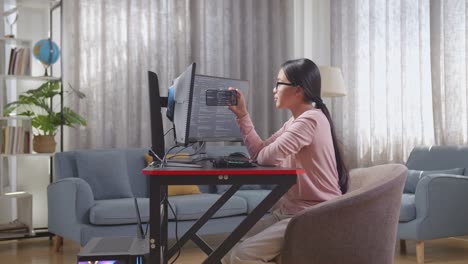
[{"x": 47, "y": 52}]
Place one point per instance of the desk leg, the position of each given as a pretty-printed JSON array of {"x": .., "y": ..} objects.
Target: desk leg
[
  {"x": 164, "y": 224},
  {"x": 158, "y": 222},
  {"x": 248, "y": 223}
]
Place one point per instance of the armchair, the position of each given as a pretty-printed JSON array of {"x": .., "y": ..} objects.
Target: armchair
[
  {"x": 437, "y": 208},
  {"x": 359, "y": 227}
]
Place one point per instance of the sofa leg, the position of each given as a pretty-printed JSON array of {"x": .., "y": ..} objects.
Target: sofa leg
[
  {"x": 57, "y": 243},
  {"x": 420, "y": 252},
  {"x": 402, "y": 246}
]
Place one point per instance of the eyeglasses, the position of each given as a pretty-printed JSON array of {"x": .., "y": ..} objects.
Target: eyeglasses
[{"x": 282, "y": 83}]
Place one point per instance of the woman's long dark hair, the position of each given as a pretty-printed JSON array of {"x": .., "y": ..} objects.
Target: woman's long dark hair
[{"x": 304, "y": 73}]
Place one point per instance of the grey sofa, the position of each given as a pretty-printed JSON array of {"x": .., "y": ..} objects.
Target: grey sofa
[
  {"x": 93, "y": 189},
  {"x": 358, "y": 228},
  {"x": 434, "y": 203}
]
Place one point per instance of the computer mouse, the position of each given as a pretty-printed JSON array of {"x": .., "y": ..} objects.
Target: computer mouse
[{"x": 239, "y": 155}]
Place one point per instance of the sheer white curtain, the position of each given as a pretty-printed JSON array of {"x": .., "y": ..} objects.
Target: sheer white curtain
[
  {"x": 405, "y": 63},
  {"x": 449, "y": 57},
  {"x": 312, "y": 30},
  {"x": 383, "y": 49},
  {"x": 109, "y": 46}
]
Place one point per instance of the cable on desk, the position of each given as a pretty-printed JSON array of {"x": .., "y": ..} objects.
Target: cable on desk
[
  {"x": 168, "y": 131},
  {"x": 156, "y": 155},
  {"x": 190, "y": 155},
  {"x": 164, "y": 159}
]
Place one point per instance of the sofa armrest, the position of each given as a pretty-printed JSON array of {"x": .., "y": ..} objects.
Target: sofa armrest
[
  {"x": 69, "y": 201},
  {"x": 441, "y": 207}
]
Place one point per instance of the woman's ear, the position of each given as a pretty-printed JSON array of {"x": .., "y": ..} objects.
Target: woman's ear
[{"x": 299, "y": 92}]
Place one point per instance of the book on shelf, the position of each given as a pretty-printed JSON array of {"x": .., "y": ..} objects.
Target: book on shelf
[
  {"x": 15, "y": 140},
  {"x": 20, "y": 61},
  {"x": 11, "y": 60}
]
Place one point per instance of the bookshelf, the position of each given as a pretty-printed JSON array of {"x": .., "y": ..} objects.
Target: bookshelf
[
  {"x": 16, "y": 42},
  {"x": 34, "y": 22},
  {"x": 28, "y": 77}
]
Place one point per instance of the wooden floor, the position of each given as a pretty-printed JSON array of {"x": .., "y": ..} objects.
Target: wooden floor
[{"x": 38, "y": 251}]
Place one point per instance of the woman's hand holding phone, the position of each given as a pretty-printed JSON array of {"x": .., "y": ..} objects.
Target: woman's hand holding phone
[{"x": 240, "y": 110}]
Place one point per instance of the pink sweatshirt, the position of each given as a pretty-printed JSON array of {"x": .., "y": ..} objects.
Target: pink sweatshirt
[{"x": 304, "y": 142}]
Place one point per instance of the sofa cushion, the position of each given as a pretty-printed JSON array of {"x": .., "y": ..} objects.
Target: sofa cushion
[
  {"x": 135, "y": 163},
  {"x": 408, "y": 208},
  {"x": 192, "y": 207},
  {"x": 182, "y": 190},
  {"x": 253, "y": 197},
  {"x": 207, "y": 188},
  {"x": 106, "y": 173},
  {"x": 415, "y": 175},
  {"x": 121, "y": 211}
]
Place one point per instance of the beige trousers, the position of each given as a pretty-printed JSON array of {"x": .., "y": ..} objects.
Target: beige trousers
[{"x": 263, "y": 243}]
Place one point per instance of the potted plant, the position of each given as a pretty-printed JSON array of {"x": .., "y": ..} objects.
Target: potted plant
[{"x": 38, "y": 104}]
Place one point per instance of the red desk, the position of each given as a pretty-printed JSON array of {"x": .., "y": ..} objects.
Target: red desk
[{"x": 160, "y": 178}]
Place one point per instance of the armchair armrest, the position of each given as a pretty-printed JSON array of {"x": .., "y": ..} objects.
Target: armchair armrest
[
  {"x": 69, "y": 201},
  {"x": 441, "y": 206}
]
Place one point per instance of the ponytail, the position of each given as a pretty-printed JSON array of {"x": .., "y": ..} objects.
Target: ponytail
[{"x": 343, "y": 174}]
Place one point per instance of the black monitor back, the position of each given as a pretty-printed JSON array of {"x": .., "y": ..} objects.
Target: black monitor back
[{"x": 157, "y": 130}]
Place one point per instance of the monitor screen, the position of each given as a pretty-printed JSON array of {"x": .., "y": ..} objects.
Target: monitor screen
[{"x": 213, "y": 123}]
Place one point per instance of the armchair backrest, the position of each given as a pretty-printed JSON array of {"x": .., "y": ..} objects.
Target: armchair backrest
[
  {"x": 358, "y": 227},
  {"x": 438, "y": 158}
]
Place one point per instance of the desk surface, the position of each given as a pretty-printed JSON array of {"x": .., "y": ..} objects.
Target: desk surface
[{"x": 150, "y": 171}]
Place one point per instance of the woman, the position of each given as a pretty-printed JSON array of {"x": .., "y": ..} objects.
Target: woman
[{"x": 308, "y": 141}]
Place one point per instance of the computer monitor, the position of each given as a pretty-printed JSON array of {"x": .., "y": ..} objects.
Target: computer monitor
[
  {"x": 156, "y": 103},
  {"x": 195, "y": 121},
  {"x": 183, "y": 90},
  {"x": 213, "y": 123}
]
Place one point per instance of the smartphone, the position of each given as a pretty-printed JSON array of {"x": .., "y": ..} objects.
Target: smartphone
[{"x": 221, "y": 97}]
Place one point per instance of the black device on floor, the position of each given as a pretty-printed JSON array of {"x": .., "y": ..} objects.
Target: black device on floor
[
  {"x": 221, "y": 97},
  {"x": 115, "y": 250}
]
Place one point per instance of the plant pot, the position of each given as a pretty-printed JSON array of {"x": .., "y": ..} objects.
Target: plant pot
[{"x": 44, "y": 144}]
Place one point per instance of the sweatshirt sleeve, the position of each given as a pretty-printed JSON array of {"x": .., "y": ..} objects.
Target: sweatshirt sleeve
[
  {"x": 298, "y": 134},
  {"x": 252, "y": 140}
]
